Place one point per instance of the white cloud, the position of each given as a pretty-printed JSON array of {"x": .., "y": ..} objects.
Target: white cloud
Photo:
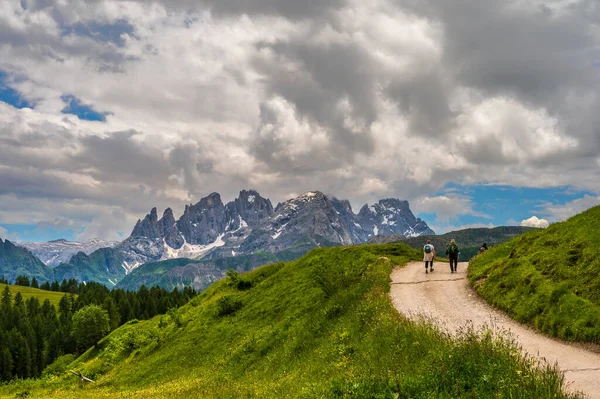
[
  {"x": 113, "y": 225},
  {"x": 447, "y": 207},
  {"x": 3, "y": 232},
  {"x": 534, "y": 221},
  {"x": 363, "y": 100},
  {"x": 563, "y": 212}
]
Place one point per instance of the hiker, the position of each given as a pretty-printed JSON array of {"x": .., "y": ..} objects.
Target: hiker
[
  {"x": 428, "y": 255},
  {"x": 452, "y": 253},
  {"x": 483, "y": 248}
]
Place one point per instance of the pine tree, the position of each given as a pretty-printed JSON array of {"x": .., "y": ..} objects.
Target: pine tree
[
  {"x": 114, "y": 316},
  {"x": 6, "y": 364}
]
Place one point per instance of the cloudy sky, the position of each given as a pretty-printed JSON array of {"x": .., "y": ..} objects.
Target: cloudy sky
[{"x": 479, "y": 112}]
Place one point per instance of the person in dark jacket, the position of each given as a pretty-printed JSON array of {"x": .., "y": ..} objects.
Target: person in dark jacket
[
  {"x": 483, "y": 248},
  {"x": 452, "y": 252}
]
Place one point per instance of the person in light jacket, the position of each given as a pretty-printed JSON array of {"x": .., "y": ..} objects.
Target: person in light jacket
[{"x": 428, "y": 255}]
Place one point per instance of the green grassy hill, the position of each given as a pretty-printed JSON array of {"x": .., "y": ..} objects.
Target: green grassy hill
[
  {"x": 469, "y": 240},
  {"x": 28, "y": 292},
  {"x": 319, "y": 327},
  {"x": 549, "y": 279}
]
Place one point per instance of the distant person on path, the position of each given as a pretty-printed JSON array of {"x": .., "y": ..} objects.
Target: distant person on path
[
  {"x": 428, "y": 255},
  {"x": 452, "y": 253},
  {"x": 483, "y": 248}
]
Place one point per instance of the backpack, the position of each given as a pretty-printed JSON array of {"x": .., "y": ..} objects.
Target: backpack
[
  {"x": 427, "y": 249},
  {"x": 452, "y": 250}
]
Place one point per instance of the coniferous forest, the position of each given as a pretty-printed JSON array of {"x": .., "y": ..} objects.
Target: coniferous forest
[{"x": 34, "y": 333}]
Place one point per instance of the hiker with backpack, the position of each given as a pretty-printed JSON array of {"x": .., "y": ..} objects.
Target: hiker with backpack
[
  {"x": 483, "y": 248},
  {"x": 428, "y": 255},
  {"x": 452, "y": 253}
]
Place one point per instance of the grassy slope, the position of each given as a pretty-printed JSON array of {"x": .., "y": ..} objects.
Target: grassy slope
[
  {"x": 28, "y": 292},
  {"x": 322, "y": 326},
  {"x": 549, "y": 279}
]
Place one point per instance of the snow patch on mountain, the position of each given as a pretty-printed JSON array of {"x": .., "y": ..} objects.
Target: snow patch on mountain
[
  {"x": 279, "y": 231},
  {"x": 190, "y": 250}
]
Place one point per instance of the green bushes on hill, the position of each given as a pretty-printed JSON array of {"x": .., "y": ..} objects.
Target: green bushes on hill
[
  {"x": 548, "y": 279},
  {"x": 319, "y": 327}
]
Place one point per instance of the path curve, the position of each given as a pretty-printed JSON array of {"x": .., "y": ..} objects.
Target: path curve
[{"x": 447, "y": 299}]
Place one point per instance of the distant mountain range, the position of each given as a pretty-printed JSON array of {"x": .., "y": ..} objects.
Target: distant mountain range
[
  {"x": 250, "y": 224},
  {"x": 212, "y": 236},
  {"x": 55, "y": 252}
]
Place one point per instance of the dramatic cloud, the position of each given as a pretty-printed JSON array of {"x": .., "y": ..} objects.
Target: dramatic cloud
[
  {"x": 535, "y": 222},
  {"x": 157, "y": 103}
]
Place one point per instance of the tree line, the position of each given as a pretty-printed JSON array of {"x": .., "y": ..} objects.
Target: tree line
[{"x": 34, "y": 334}]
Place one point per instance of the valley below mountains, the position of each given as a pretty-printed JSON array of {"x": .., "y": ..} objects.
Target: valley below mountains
[{"x": 211, "y": 237}]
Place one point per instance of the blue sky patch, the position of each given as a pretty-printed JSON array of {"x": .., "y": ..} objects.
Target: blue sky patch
[
  {"x": 101, "y": 32},
  {"x": 505, "y": 205},
  {"x": 82, "y": 111},
  {"x": 10, "y": 95},
  {"x": 35, "y": 233}
]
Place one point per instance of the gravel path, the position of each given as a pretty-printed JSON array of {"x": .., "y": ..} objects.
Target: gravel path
[{"x": 447, "y": 299}]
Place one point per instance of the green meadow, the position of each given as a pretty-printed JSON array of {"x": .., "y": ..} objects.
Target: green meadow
[
  {"x": 319, "y": 327},
  {"x": 28, "y": 292}
]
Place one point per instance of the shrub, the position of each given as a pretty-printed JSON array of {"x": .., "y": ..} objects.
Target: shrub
[
  {"x": 59, "y": 366},
  {"x": 228, "y": 305}
]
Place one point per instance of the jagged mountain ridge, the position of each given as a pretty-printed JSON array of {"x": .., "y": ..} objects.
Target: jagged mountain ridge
[{"x": 211, "y": 229}]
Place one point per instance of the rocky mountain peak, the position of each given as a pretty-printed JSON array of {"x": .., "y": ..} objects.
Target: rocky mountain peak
[
  {"x": 204, "y": 222},
  {"x": 393, "y": 204},
  {"x": 249, "y": 208},
  {"x": 211, "y": 200},
  {"x": 148, "y": 227},
  {"x": 169, "y": 230},
  {"x": 168, "y": 214}
]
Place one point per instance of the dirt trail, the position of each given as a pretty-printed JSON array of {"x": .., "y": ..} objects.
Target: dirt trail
[{"x": 447, "y": 299}]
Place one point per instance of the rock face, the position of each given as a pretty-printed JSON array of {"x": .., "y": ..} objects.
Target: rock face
[
  {"x": 152, "y": 228},
  {"x": 310, "y": 218},
  {"x": 251, "y": 208},
  {"x": 204, "y": 222},
  {"x": 391, "y": 216}
]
